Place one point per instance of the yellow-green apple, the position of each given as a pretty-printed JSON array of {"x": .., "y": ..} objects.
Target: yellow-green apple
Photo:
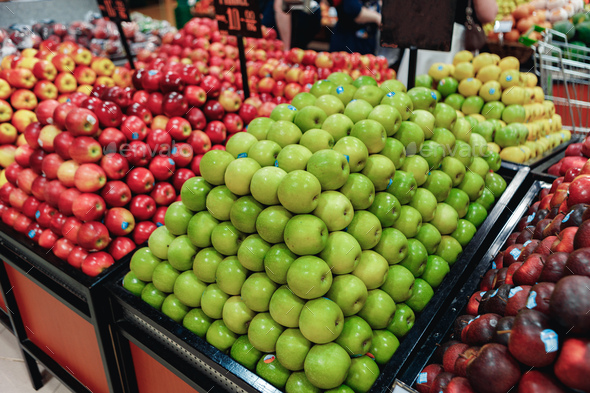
[
  {"x": 63, "y": 63},
  {"x": 85, "y": 75},
  {"x": 309, "y": 277},
  {"x": 82, "y": 56},
  {"x": 5, "y": 89},
  {"x": 299, "y": 191},
  {"x": 335, "y": 210},
  {"x": 263, "y": 332},
  {"x": 355, "y": 151},
  {"x": 23, "y": 99},
  {"x": 356, "y": 335},
  {"x": 326, "y": 365},
  {"x": 102, "y": 66},
  {"x": 66, "y": 82},
  {"x": 66, "y": 173},
  {"x": 321, "y": 321},
  {"x": 306, "y": 234},
  {"x": 292, "y": 157},
  {"x": 292, "y": 348},
  {"x": 349, "y": 292},
  {"x": 47, "y": 136},
  {"x": 44, "y": 70},
  {"x": 6, "y": 111},
  {"x": 21, "y": 78},
  {"x": 8, "y": 134}
]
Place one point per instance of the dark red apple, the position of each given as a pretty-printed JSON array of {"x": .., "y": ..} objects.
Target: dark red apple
[
  {"x": 493, "y": 370},
  {"x": 570, "y": 303},
  {"x": 532, "y": 342},
  {"x": 573, "y": 364},
  {"x": 427, "y": 376},
  {"x": 517, "y": 299}
]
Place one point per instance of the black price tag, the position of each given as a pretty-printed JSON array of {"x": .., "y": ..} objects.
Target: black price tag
[
  {"x": 238, "y": 17},
  {"x": 111, "y": 9}
]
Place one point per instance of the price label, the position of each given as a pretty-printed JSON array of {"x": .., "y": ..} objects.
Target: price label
[
  {"x": 111, "y": 9},
  {"x": 238, "y": 17},
  {"x": 502, "y": 26},
  {"x": 400, "y": 387}
]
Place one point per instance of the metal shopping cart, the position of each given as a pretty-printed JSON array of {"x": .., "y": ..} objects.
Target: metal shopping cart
[{"x": 564, "y": 72}]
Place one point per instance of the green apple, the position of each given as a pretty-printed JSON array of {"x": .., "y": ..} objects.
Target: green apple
[
  {"x": 409, "y": 221},
  {"x": 316, "y": 140},
  {"x": 422, "y": 98},
  {"x": 372, "y": 269},
  {"x": 386, "y": 208},
  {"x": 366, "y": 229},
  {"x": 400, "y": 101},
  {"x": 174, "y": 308},
  {"x": 514, "y": 114},
  {"x": 493, "y": 110},
  {"x": 197, "y": 322},
  {"x": 205, "y": 264},
  {"x": 399, "y": 283},
  {"x": 299, "y": 192},
  {"x": 449, "y": 249},
  {"x": 463, "y": 153},
  {"x": 219, "y": 202},
  {"x": 292, "y": 348},
  {"x": 194, "y": 193},
  {"x": 321, "y": 321},
  {"x": 259, "y": 127},
  {"x": 447, "y": 86},
  {"x": 378, "y": 310},
  {"x": 326, "y": 365},
  {"x": 298, "y": 383},
  {"x": 349, "y": 292},
  {"x": 265, "y": 183},
  {"x": 445, "y": 138},
  {"x": 239, "y": 144},
  {"x": 485, "y": 129},
  {"x": 337, "y": 125},
  {"x": 143, "y": 262},
  {"x": 402, "y": 321},
  {"x": 322, "y": 87},
  {"x": 395, "y": 151},
  {"x": 403, "y": 187},
  {"x": 277, "y": 262},
  {"x": 472, "y": 120},
  {"x": 308, "y": 118},
  {"x": 344, "y": 92},
  {"x": 164, "y": 277},
  {"x": 411, "y": 136},
  {"x": 306, "y": 234},
  {"x": 473, "y": 184},
  {"x": 359, "y": 189},
  {"x": 433, "y": 152},
  {"x": 383, "y": 346},
  {"x": 357, "y": 110},
  {"x": 486, "y": 199},
  {"x": 243, "y": 352},
  {"x": 335, "y": 210},
  {"x": 189, "y": 289},
  {"x": 237, "y": 315},
  {"x": 293, "y": 157},
  {"x": 330, "y": 104},
  {"x": 303, "y": 99},
  {"x": 213, "y": 165},
  {"x": 445, "y": 218},
  {"x": 340, "y": 389},
  {"x": 257, "y": 291},
  {"x": 285, "y": 307},
  {"x": 340, "y": 78},
  {"x": 479, "y": 145},
  {"x": 230, "y": 275},
  {"x": 244, "y": 212},
  {"x": 425, "y": 202},
  {"x": 133, "y": 284},
  {"x": 425, "y": 120},
  {"x": 371, "y": 133},
  {"x": 430, "y": 237},
  {"x": 283, "y": 112},
  {"x": 495, "y": 184},
  {"x": 493, "y": 160},
  {"x": 264, "y": 152},
  {"x": 393, "y": 85},
  {"x": 455, "y": 100},
  {"x": 423, "y": 80},
  {"x": 342, "y": 252},
  {"x": 380, "y": 170},
  {"x": 479, "y": 166},
  {"x": 393, "y": 246},
  {"x": 454, "y": 168},
  {"x": 177, "y": 218},
  {"x": 355, "y": 151},
  {"x": 364, "y": 80},
  {"x": 371, "y": 94},
  {"x": 153, "y": 296},
  {"x": 330, "y": 167},
  {"x": 271, "y": 370},
  {"x": 436, "y": 270},
  {"x": 464, "y": 232},
  {"x": 472, "y": 105},
  {"x": 362, "y": 374},
  {"x": 284, "y": 132},
  {"x": 220, "y": 336},
  {"x": 388, "y": 116},
  {"x": 462, "y": 129},
  {"x": 356, "y": 336},
  {"x": 415, "y": 261},
  {"x": 439, "y": 184},
  {"x": 226, "y": 239},
  {"x": 418, "y": 166},
  {"x": 507, "y": 136},
  {"x": 271, "y": 223},
  {"x": 309, "y": 277},
  {"x": 476, "y": 214},
  {"x": 263, "y": 332},
  {"x": 445, "y": 115},
  {"x": 212, "y": 301},
  {"x": 421, "y": 295}
]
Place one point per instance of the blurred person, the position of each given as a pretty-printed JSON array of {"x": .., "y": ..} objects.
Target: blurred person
[
  {"x": 357, "y": 26},
  {"x": 296, "y": 28}
]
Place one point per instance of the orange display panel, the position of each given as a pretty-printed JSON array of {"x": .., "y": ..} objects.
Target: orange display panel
[
  {"x": 59, "y": 332},
  {"x": 152, "y": 377}
]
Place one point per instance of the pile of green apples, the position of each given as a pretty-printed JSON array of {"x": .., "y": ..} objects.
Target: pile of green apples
[
  {"x": 498, "y": 102},
  {"x": 307, "y": 247}
]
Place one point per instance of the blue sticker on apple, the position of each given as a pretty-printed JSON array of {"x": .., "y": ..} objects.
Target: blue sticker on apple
[
  {"x": 442, "y": 82},
  {"x": 482, "y": 293},
  {"x": 124, "y": 225},
  {"x": 422, "y": 378},
  {"x": 389, "y": 184},
  {"x": 159, "y": 224},
  {"x": 469, "y": 79},
  {"x": 32, "y": 233},
  {"x": 135, "y": 135},
  {"x": 526, "y": 243},
  {"x": 37, "y": 214},
  {"x": 530, "y": 218},
  {"x": 515, "y": 253},
  {"x": 277, "y": 163},
  {"x": 550, "y": 339},
  {"x": 433, "y": 95},
  {"x": 174, "y": 150},
  {"x": 390, "y": 94},
  {"x": 291, "y": 107},
  {"x": 339, "y": 90},
  {"x": 494, "y": 265},
  {"x": 347, "y": 158},
  {"x": 242, "y": 155},
  {"x": 531, "y": 302},
  {"x": 353, "y": 100},
  {"x": 494, "y": 293},
  {"x": 492, "y": 90},
  {"x": 170, "y": 161},
  {"x": 508, "y": 78},
  {"x": 514, "y": 291},
  {"x": 567, "y": 217},
  {"x": 152, "y": 72}
]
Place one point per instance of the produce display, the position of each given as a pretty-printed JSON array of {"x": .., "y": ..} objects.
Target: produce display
[
  {"x": 528, "y": 325},
  {"x": 498, "y": 102},
  {"x": 305, "y": 249},
  {"x": 575, "y": 158}
]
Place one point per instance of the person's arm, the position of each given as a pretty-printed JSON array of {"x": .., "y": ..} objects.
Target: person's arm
[
  {"x": 283, "y": 21},
  {"x": 486, "y": 10},
  {"x": 368, "y": 16}
]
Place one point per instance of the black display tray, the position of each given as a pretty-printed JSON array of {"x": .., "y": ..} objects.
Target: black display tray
[{"x": 202, "y": 366}]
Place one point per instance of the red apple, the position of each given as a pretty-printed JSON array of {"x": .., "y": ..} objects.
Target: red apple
[
  {"x": 81, "y": 122},
  {"x": 85, "y": 150},
  {"x": 119, "y": 221},
  {"x": 120, "y": 247},
  {"x": 90, "y": 178},
  {"x": 66, "y": 201},
  {"x": 142, "y": 231},
  {"x": 88, "y": 207},
  {"x": 159, "y": 140},
  {"x": 77, "y": 256},
  {"x": 62, "y": 248},
  {"x": 134, "y": 128},
  {"x": 111, "y": 139},
  {"x": 93, "y": 236},
  {"x": 573, "y": 364},
  {"x": 96, "y": 262},
  {"x": 140, "y": 180},
  {"x": 62, "y": 144},
  {"x": 45, "y": 111},
  {"x": 159, "y": 215},
  {"x": 116, "y": 193},
  {"x": 115, "y": 166}
]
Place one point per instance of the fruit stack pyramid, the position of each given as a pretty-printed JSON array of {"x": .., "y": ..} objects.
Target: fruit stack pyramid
[
  {"x": 528, "y": 325},
  {"x": 305, "y": 248},
  {"x": 575, "y": 158},
  {"x": 500, "y": 103}
]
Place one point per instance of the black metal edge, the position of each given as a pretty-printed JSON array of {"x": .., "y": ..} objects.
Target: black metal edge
[
  {"x": 126, "y": 303},
  {"x": 549, "y": 154},
  {"x": 544, "y": 167},
  {"x": 470, "y": 282},
  {"x": 5, "y": 321}
]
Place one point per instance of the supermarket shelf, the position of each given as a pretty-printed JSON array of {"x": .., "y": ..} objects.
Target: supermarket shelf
[{"x": 548, "y": 155}]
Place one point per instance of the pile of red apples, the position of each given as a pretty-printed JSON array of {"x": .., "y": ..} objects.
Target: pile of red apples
[
  {"x": 575, "y": 158},
  {"x": 527, "y": 329}
]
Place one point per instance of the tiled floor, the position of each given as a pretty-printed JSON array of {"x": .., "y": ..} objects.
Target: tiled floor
[{"x": 13, "y": 373}]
